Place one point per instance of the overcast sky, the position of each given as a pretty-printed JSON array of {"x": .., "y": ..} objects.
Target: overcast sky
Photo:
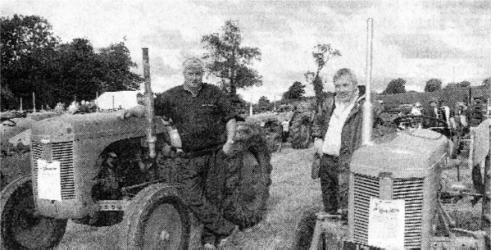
[{"x": 449, "y": 40}]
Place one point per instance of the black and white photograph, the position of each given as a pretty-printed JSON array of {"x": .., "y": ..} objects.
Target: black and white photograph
[{"x": 245, "y": 124}]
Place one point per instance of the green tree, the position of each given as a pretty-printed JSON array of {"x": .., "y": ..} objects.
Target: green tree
[
  {"x": 117, "y": 64},
  {"x": 263, "y": 104},
  {"x": 322, "y": 53},
  {"x": 433, "y": 85},
  {"x": 82, "y": 72},
  {"x": 396, "y": 86},
  {"x": 27, "y": 45},
  {"x": 453, "y": 85},
  {"x": 295, "y": 91},
  {"x": 230, "y": 61},
  {"x": 487, "y": 82},
  {"x": 35, "y": 61}
]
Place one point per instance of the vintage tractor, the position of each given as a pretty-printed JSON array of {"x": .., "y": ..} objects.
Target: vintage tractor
[
  {"x": 395, "y": 199},
  {"x": 272, "y": 128},
  {"x": 301, "y": 125},
  {"x": 99, "y": 170}
]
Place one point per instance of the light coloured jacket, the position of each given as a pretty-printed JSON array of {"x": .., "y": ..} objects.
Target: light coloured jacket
[{"x": 351, "y": 136}]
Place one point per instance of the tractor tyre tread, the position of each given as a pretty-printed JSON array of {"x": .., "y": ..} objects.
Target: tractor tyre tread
[
  {"x": 50, "y": 240},
  {"x": 140, "y": 208},
  {"x": 248, "y": 183}
]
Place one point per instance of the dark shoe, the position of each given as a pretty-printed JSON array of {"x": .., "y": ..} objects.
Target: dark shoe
[{"x": 229, "y": 238}]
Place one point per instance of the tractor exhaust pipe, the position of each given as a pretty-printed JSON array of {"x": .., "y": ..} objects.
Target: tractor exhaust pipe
[
  {"x": 149, "y": 109},
  {"x": 367, "y": 111}
]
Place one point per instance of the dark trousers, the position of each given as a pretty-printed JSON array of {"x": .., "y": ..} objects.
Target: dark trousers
[
  {"x": 328, "y": 173},
  {"x": 285, "y": 135},
  {"x": 194, "y": 174}
]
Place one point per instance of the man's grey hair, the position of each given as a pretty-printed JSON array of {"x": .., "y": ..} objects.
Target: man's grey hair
[
  {"x": 193, "y": 63},
  {"x": 345, "y": 72}
]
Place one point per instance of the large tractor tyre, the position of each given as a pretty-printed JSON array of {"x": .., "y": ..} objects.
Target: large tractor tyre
[
  {"x": 248, "y": 178},
  {"x": 156, "y": 218},
  {"x": 300, "y": 131},
  {"x": 21, "y": 228},
  {"x": 304, "y": 231},
  {"x": 486, "y": 202}
]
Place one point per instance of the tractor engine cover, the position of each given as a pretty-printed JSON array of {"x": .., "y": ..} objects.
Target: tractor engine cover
[
  {"x": 403, "y": 166},
  {"x": 65, "y": 150}
]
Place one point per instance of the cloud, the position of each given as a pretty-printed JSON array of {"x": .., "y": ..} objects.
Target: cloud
[
  {"x": 412, "y": 40},
  {"x": 170, "y": 39},
  {"x": 420, "y": 45}
]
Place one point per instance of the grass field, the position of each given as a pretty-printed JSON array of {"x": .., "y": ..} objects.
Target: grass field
[{"x": 292, "y": 192}]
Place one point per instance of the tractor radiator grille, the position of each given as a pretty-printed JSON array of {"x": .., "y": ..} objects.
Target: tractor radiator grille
[
  {"x": 410, "y": 190},
  {"x": 364, "y": 188},
  {"x": 62, "y": 152}
]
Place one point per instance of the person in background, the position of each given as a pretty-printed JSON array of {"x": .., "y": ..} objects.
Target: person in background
[
  {"x": 416, "y": 111},
  {"x": 92, "y": 107},
  {"x": 286, "y": 130},
  {"x": 73, "y": 108},
  {"x": 463, "y": 116},
  {"x": 444, "y": 112},
  {"x": 60, "y": 108},
  {"x": 83, "y": 107}
]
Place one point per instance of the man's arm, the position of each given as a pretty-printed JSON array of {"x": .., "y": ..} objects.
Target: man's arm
[{"x": 231, "y": 128}]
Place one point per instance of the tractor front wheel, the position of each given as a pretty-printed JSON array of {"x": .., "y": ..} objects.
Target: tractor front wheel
[
  {"x": 156, "y": 219},
  {"x": 21, "y": 227}
]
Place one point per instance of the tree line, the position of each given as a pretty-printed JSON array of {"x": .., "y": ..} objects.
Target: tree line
[
  {"x": 34, "y": 60},
  {"x": 397, "y": 86}
]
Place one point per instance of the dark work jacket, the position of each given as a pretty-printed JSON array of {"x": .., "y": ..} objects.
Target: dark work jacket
[
  {"x": 351, "y": 136},
  {"x": 201, "y": 120}
]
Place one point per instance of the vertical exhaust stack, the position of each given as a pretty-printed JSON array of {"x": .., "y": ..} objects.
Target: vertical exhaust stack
[
  {"x": 367, "y": 112},
  {"x": 149, "y": 109}
]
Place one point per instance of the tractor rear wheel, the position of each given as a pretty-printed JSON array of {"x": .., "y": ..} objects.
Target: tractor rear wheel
[
  {"x": 157, "y": 218},
  {"x": 21, "y": 228},
  {"x": 248, "y": 180}
]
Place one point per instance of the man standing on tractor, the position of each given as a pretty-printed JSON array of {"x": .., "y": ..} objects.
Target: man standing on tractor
[
  {"x": 286, "y": 130},
  {"x": 337, "y": 131},
  {"x": 206, "y": 123}
]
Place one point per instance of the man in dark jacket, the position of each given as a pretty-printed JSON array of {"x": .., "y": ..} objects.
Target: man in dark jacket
[
  {"x": 206, "y": 124},
  {"x": 337, "y": 133}
]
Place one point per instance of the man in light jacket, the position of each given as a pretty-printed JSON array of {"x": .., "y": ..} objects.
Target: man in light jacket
[{"x": 337, "y": 133}]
